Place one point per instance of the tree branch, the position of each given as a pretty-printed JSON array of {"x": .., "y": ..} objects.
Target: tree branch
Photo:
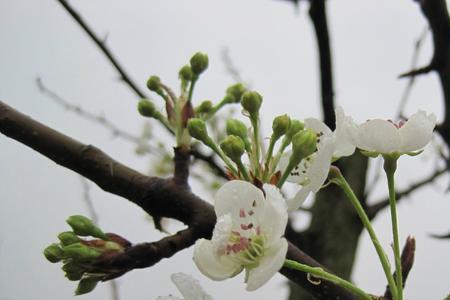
[
  {"x": 156, "y": 196},
  {"x": 317, "y": 12},
  {"x": 374, "y": 209},
  {"x": 101, "y": 44}
]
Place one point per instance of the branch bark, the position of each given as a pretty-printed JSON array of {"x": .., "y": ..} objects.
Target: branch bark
[{"x": 156, "y": 196}]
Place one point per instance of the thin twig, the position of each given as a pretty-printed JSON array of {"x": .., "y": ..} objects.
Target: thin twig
[
  {"x": 102, "y": 45},
  {"x": 381, "y": 204},
  {"x": 414, "y": 60}
]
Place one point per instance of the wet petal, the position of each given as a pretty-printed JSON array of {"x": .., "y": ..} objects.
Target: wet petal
[
  {"x": 378, "y": 135},
  {"x": 236, "y": 195},
  {"x": 317, "y": 173},
  {"x": 295, "y": 202},
  {"x": 345, "y": 132},
  {"x": 417, "y": 131},
  {"x": 317, "y": 126},
  {"x": 274, "y": 219},
  {"x": 210, "y": 264},
  {"x": 189, "y": 287},
  {"x": 270, "y": 264},
  {"x": 298, "y": 174}
]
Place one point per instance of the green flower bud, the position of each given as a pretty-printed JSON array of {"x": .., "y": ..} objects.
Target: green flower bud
[
  {"x": 185, "y": 73},
  {"x": 304, "y": 143},
  {"x": 233, "y": 147},
  {"x": 204, "y": 107},
  {"x": 87, "y": 285},
  {"x": 68, "y": 238},
  {"x": 199, "y": 63},
  {"x": 154, "y": 83},
  {"x": 237, "y": 128},
  {"x": 73, "y": 271},
  {"x": 280, "y": 126},
  {"x": 295, "y": 127},
  {"x": 197, "y": 129},
  {"x": 251, "y": 101},
  {"x": 53, "y": 253},
  {"x": 80, "y": 252},
  {"x": 236, "y": 90},
  {"x": 146, "y": 108},
  {"x": 84, "y": 227}
]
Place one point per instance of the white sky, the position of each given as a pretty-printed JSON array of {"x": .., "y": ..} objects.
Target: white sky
[{"x": 273, "y": 45}]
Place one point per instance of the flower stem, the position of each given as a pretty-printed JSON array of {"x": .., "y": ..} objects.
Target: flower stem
[
  {"x": 269, "y": 153},
  {"x": 320, "y": 273},
  {"x": 256, "y": 144},
  {"x": 390, "y": 165},
  {"x": 339, "y": 179}
]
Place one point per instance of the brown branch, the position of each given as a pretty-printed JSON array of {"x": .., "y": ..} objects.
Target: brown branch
[
  {"x": 437, "y": 15},
  {"x": 379, "y": 205},
  {"x": 407, "y": 261},
  {"x": 317, "y": 12},
  {"x": 156, "y": 196},
  {"x": 101, "y": 44},
  {"x": 181, "y": 170}
]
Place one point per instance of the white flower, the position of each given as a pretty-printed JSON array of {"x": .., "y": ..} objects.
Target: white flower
[
  {"x": 188, "y": 287},
  {"x": 312, "y": 171},
  {"x": 248, "y": 234},
  {"x": 383, "y": 136}
]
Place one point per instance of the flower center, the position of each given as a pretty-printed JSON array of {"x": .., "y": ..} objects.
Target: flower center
[{"x": 246, "y": 245}]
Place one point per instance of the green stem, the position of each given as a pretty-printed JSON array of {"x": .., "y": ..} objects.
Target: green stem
[
  {"x": 269, "y": 158},
  {"x": 256, "y": 144},
  {"x": 222, "y": 156},
  {"x": 320, "y": 273},
  {"x": 243, "y": 170},
  {"x": 191, "y": 88},
  {"x": 343, "y": 184},
  {"x": 390, "y": 165}
]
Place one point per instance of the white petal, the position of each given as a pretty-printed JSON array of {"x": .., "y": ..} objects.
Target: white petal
[
  {"x": 274, "y": 219},
  {"x": 379, "y": 136},
  {"x": 317, "y": 173},
  {"x": 299, "y": 176},
  {"x": 236, "y": 195},
  {"x": 211, "y": 265},
  {"x": 270, "y": 264},
  {"x": 221, "y": 233},
  {"x": 317, "y": 126},
  {"x": 189, "y": 287},
  {"x": 417, "y": 131},
  {"x": 170, "y": 297},
  {"x": 344, "y": 133},
  {"x": 299, "y": 198}
]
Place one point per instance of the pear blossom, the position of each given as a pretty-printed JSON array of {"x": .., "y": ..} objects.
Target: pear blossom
[
  {"x": 385, "y": 137},
  {"x": 312, "y": 171},
  {"x": 248, "y": 234},
  {"x": 189, "y": 287}
]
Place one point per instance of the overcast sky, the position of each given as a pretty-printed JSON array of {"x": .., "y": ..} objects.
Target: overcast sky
[{"x": 273, "y": 45}]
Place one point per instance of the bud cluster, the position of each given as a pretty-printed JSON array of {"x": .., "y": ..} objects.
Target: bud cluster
[{"x": 79, "y": 254}]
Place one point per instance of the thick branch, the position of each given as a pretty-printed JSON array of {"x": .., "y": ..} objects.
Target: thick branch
[
  {"x": 160, "y": 197},
  {"x": 317, "y": 12}
]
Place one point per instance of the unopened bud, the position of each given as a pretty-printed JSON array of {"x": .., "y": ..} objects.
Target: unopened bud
[
  {"x": 84, "y": 227},
  {"x": 236, "y": 90},
  {"x": 237, "y": 128},
  {"x": 68, "y": 238},
  {"x": 280, "y": 126},
  {"x": 199, "y": 63},
  {"x": 204, "y": 107},
  {"x": 185, "y": 73},
  {"x": 80, "y": 252},
  {"x": 304, "y": 143},
  {"x": 73, "y": 271},
  {"x": 233, "y": 147},
  {"x": 86, "y": 285},
  {"x": 53, "y": 253},
  {"x": 154, "y": 83},
  {"x": 146, "y": 108},
  {"x": 251, "y": 101},
  {"x": 197, "y": 129},
  {"x": 295, "y": 127}
]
